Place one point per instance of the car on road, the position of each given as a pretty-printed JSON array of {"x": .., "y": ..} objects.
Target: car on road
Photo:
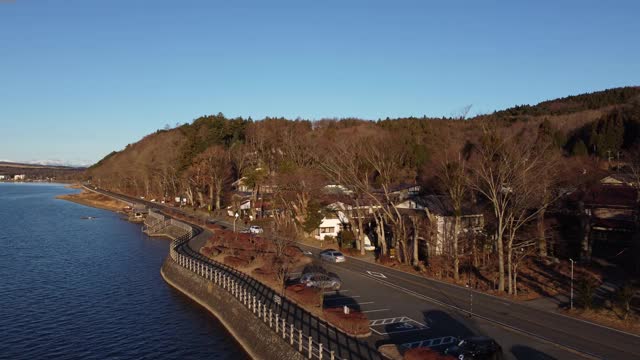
[
  {"x": 321, "y": 280},
  {"x": 476, "y": 348},
  {"x": 255, "y": 229},
  {"x": 332, "y": 255}
]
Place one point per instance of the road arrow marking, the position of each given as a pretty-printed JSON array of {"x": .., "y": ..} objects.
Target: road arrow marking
[{"x": 377, "y": 274}]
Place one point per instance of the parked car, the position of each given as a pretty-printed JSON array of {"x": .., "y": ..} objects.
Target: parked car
[
  {"x": 476, "y": 348},
  {"x": 321, "y": 280},
  {"x": 332, "y": 256},
  {"x": 255, "y": 229}
]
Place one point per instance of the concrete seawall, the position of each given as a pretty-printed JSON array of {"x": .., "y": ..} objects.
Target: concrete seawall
[{"x": 258, "y": 340}]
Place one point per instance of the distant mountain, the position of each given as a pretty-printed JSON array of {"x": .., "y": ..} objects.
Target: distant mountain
[
  {"x": 44, "y": 164},
  {"x": 41, "y": 172}
]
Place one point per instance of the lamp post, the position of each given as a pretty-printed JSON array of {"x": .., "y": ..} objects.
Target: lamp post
[{"x": 571, "y": 296}]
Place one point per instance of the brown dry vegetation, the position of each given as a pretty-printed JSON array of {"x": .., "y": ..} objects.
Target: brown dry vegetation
[
  {"x": 92, "y": 199},
  {"x": 354, "y": 322}
]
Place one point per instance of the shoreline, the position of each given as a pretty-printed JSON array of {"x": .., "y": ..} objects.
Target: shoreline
[
  {"x": 93, "y": 200},
  {"x": 104, "y": 202}
]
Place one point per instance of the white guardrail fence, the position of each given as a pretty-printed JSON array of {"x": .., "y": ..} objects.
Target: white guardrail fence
[{"x": 306, "y": 345}]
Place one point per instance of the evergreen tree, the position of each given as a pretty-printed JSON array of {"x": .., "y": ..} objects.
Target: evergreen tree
[{"x": 579, "y": 149}]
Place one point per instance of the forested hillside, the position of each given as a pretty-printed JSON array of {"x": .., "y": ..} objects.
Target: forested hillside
[
  {"x": 603, "y": 123},
  {"x": 510, "y": 167}
]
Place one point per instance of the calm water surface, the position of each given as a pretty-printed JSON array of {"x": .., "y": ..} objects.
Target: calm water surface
[{"x": 91, "y": 289}]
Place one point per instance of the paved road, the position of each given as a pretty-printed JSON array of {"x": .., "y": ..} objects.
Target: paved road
[{"x": 404, "y": 309}]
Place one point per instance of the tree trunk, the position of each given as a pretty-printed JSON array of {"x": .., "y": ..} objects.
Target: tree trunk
[
  {"x": 500, "y": 246},
  {"x": 414, "y": 222},
  {"x": 474, "y": 250},
  {"x": 218, "y": 198},
  {"x": 509, "y": 266},
  {"x": 381, "y": 236},
  {"x": 515, "y": 280},
  {"x": 211, "y": 186},
  {"x": 585, "y": 248},
  {"x": 542, "y": 241},
  {"x": 360, "y": 232},
  {"x": 456, "y": 258}
]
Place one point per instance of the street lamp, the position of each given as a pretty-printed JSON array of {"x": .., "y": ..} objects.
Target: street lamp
[{"x": 571, "y": 296}]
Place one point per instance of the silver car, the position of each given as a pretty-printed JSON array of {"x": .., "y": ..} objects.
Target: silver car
[
  {"x": 326, "y": 281},
  {"x": 332, "y": 256}
]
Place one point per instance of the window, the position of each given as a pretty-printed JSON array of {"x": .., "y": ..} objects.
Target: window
[{"x": 327, "y": 230}]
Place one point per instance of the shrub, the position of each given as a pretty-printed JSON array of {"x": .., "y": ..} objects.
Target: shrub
[
  {"x": 424, "y": 353},
  {"x": 329, "y": 239},
  {"x": 585, "y": 290},
  {"x": 263, "y": 271},
  {"x": 346, "y": 239},
  {"x": 304, "y": 295},
  {"x": 625, "y": 296},
  {"x": 386, "y": 260},
  {"x": 235, "y": 261},
  {"x": 355, "y": 322},
  {"x": 293, "y": 253}
]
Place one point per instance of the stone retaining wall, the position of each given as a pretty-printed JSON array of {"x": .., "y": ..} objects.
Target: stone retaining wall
[{"x": 258, "y": 340}]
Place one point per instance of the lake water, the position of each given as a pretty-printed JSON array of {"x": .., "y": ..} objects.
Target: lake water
[{"x": 91, "y": 289}]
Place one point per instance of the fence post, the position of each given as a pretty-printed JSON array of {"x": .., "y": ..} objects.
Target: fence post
[
  {"x": 291, "y": 335},
  {"x": 333, "y": 355},
  {"x": 270, "y": 317},
  {"x": 320, "y": 351},
  {"x": 310, "y": 347},
  {"x": 277, "y": 322},
  {"x": 265, "y": 312},
  {"x": 300, "y": 341},
  {"x": 259, "y": 308},
  {"x": 284, "y": 329}
]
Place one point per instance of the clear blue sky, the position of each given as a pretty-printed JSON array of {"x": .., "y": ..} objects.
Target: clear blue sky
[{"x": 79, "y": 79}]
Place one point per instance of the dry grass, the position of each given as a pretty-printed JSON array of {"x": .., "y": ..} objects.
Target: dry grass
[
  {"x": 92, "y": 199},
  {"x": 610, "y": 318},
  {"x": 354, "y": 323}
]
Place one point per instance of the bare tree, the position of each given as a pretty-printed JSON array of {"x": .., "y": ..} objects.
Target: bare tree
[
  {"x": 455, "y": 180},
  {"x": 216, "y": 168},
  {"x": 507, "y": 173}
]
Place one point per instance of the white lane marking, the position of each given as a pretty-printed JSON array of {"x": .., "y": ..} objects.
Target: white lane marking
[
  {"x": 377, "y": 310},
  {"x": 396, "y": 325},
  {"x": 430, "y": 342},
  {"x": 388, "y": 321},
  {"x": 365, "y": 303},
  {"x": 376, "y": 274}
]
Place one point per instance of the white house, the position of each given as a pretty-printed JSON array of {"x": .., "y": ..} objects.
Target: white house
[
  {"x": 329, "y": 227},
  {"x": 2, "y": 177},
  {"x": 19, "y": 177}
]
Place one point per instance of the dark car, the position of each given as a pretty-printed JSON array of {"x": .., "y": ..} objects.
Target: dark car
[
  {"x": 476, "y": 348},
  {"x": 326, "y": 281}
]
